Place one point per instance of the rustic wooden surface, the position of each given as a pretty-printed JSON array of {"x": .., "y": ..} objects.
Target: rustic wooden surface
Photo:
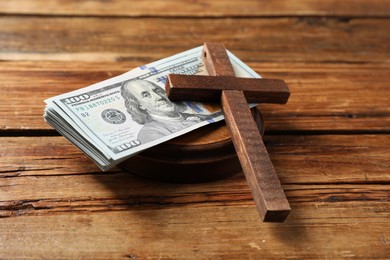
[{"x": 329, "y": 144}]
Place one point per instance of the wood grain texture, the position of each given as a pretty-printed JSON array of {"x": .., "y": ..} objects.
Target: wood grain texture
[
  {"x": 268, "y": 194},
  {"x": 298, "y": 159},
  {"x": 271, "y": 202},
  {"x": 209, "y": 88},
  {"x": 332, "y": 164},
  {"x": 55, "y": 203},
  {"x": 316, "y": 230},
  {"x": 199, "y": 8},
  {"x": 325, "y": 97},
  {"x": 288, "y": 39},
  {"x": 336, "y": 185}
]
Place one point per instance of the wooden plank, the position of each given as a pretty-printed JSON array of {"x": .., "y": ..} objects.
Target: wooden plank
[
  {"x": 51, "y": 210},
  {"x": 209, "y": 88},
  {"x": 282, "y": 39},
  {"x": 56, "y": 201},
  {"x": 341, "y": 92},
  {"x": 324, "y": 97},
  {"x": 315, "y": 230},
  {"x": 301, "y": 159},
  {"x": 147, "y": 195},
  {"x": 268, "y": 194},
  {"x": 200, "y": 8}
]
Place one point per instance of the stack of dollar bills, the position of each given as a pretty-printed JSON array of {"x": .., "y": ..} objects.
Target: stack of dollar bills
[{"x": 115, "y": 119}]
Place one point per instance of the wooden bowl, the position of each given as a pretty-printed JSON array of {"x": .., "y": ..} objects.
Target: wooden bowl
[{"x": 202, "y": 155}]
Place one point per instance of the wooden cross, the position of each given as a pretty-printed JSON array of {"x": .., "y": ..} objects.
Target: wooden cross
[{"x": 234, "y": 94}]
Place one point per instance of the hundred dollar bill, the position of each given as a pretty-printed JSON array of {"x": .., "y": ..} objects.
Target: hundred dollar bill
[{"x": 113, "y": 120}]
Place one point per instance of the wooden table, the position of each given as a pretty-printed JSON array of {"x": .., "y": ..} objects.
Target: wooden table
[{"x": 330, "y": 144}]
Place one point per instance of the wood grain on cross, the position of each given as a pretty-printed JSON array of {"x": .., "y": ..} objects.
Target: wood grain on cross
[{"x": 234, "y": 94}]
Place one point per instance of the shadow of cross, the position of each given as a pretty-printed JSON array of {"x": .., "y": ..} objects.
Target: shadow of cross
[{"x": 234, "y": 94}]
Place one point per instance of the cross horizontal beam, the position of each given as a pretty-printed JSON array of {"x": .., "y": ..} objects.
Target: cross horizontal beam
[
  {"x": 209, "y": 88},
  {"x": 256, "y": 164}
]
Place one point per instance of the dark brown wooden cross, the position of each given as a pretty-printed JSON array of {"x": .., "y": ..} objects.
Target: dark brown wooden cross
[{"x": 234, "y": 94}]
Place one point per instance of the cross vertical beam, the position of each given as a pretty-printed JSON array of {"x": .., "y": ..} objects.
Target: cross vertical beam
[{"x": 265, "y": 186}]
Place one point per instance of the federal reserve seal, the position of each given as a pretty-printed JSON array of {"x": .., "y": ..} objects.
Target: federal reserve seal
[{"x": 113, "y": 116}]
